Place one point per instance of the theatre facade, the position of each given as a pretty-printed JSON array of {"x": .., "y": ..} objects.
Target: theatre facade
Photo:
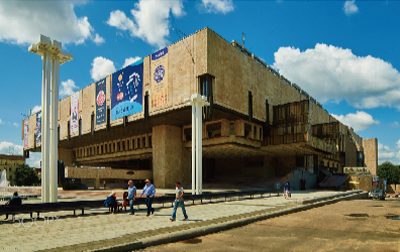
[{"x": 258, "y": 123}]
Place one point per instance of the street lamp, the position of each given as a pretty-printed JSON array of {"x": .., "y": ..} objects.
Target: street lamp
[
  {"x": 198, "y": 102},
  {"x": 52, "y": 57}
]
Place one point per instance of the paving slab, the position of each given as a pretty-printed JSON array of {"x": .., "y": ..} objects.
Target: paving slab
[{"x": 96, "y": 229}]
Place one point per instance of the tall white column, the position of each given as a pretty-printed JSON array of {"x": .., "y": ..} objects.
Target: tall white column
[
  {"x": 53, "y": 167},
  {"x": 193, "y": 148},
  {"x": 43, "y": 170},
  {"x": 198, "y": 147},
  {"x": 46, "y": 132},
  {"x": 200, "y": 144}
]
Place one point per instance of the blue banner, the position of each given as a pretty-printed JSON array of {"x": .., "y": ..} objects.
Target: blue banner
[
  {"x": 127, "y": 91},
  {"x": 101, "y": 101}
]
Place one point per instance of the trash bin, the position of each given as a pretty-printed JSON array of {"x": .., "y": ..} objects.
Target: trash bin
[{"x": 302, "y": 184}]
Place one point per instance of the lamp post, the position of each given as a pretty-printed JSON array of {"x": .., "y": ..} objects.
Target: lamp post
[
  {"x": 198, "y": 102},
  {"x": 52, "y": 57}
]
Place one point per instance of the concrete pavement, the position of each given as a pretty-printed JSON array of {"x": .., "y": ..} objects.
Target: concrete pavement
[{"x": 96, "y": 230}]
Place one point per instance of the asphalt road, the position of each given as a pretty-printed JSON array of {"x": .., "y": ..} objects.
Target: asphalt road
[{"x": 357, "y": 225}]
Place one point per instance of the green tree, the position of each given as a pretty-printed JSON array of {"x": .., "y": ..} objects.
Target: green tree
[
  {"x": 26, "y": 176},
  {"x": 389, "y": 171}
]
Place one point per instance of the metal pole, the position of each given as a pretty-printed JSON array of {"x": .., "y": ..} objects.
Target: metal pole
[
  {"x": 193, "y": 148},
  {"x": 53, "y": 167},
  {"x": 198, "y": 147}
]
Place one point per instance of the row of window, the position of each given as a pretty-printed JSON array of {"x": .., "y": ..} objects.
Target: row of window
[{"x": 112, "y": 147}]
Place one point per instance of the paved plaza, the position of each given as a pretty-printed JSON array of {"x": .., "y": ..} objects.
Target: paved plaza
[{"x": 62, "y": 231}]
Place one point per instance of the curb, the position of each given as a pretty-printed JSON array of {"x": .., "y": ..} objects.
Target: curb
[{"x": 214, "y": 228}]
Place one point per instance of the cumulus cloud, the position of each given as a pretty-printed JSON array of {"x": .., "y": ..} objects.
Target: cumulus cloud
[
  {"x": 36, "y": 109},
  {"x": 387, "y": 154},
  {"x": 34, "y": 159},
  {"x": 350, "y": 7},
  {"x": 21, "y": 22},
  {"x": 218, "y": 6},
  {"x": 150, "y": 20},
  {"x": 330, "y": 73},
  {"x": 98, "y": 40},
  {"x": 358, "y": 121},
  {"x": 395, "y": 124},
  {"x": 101, "y": 67},
  {"x": 7, "y": 148},
  {"x": 130, "y": 60},
  {"x": 398, "y": 144},
  {"x": 16, "y": 125},
  {"x": 68, "y": 88},
  {"x": 1, "y": 121}
]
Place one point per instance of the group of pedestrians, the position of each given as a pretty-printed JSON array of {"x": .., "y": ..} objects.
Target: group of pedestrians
[{"x": 148, "y": 191}]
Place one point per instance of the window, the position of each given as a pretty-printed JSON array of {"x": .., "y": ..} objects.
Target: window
[
  {"x": 250, "y": 106},
  {"x": 232, "y": 129},
  {"x": 138, "y": 143},
  {"x": 144, "y": 142},
  {"x": 80, "y": 127},
  {"x": 133, "y": 144},
  {"x": 92, "y": 123},
  {"x": 127, "y": 144},
  {"x": 255, "y": 132},
  {"x": 118, "y": 146},
  {"x": 10, "y": 177},
  {"x": 206, "y": 89},
  {"x": 108, "y": 119},
  {"x": 10, "y": 169},
  {"x": 146, "y": 107},
  {"x": 123, "y": 145},
  {"x": 150, "y": 142}
]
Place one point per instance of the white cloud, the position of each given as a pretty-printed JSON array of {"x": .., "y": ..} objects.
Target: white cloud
[
  {"x": 395, "y": 125},
  {"x": 387, "y": 154},
  {"x": 21, "y": 22},
  {"x": 101, "y": 67},
  {"x": 10, "y": 148},
  {"x": 350, "y": 7},
  {"x": 67, "y": 88},
  {"x": 216, "y": 6},
  {"x": 358, "y": 121},
  {"x": 1, "y": 121},
  {"x": 398, "y": 144},
  {"x": 131, "y": 60},
  {"x": 37, "y": 108},
  {"x": 330, "y": 73},
  {"x": 34, "y": 159},
  {"x": 16, "y": 125},
  {"x": 150, "y": 20},
  {"x": 98, "y": 40}
]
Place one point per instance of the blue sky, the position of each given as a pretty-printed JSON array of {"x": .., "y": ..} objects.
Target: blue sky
[{"x": 343, "y": 53}]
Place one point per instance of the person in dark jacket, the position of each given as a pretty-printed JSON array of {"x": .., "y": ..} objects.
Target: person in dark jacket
[
  {"x": 286, "y": 190},
  {"x": 14, "y": 201},
  {"x": 111, "y": 201}
]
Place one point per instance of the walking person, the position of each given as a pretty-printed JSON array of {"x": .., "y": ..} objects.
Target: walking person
[
  {"x": 131, "y": 196},
  {"x": 179, "y": 202},
  {"x": 286, "y": 190},
  {"x": 149, "y": 191}
]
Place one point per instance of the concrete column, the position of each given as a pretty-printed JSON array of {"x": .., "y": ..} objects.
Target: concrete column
[
  {"x": 193, "y": 150},
  {"x": 171, "y": 160},
  {"x": 198, "y": 148},
  {"x": 43, "y": 171},
  {"x": 53, "y": 167},
  {"x": 97, "y": 184}
]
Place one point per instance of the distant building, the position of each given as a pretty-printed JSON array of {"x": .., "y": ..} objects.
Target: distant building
[
  {"x": 258, "y": 125},
  {"x": 10, "y": 164}
]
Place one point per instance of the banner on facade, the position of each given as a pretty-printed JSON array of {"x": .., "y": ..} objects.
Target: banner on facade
[
  {"x": 101, "y": 101},
  {"x": 159, "y": 78},
  {"x": 26, "y": 132},
  {"x": 74, "y": 112},
  {"x": 127, "y": 91},
  {"x": 38, "y": 137},
  {"x": 348, "y": 170}
]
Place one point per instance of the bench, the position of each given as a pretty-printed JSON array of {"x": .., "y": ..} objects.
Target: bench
[{"x": 91, "y": 204}]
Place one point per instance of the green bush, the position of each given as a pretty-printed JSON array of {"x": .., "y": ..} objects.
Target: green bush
[{"x": 26, "y": 176}]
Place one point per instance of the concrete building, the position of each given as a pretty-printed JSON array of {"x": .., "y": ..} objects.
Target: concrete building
[
  {"x": 258, "y": 124},
  {"x": 9, "y": 163}
]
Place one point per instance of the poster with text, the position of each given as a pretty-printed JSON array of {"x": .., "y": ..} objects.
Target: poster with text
[
  {"x": 26, "y": 132},
  {"x": 38, "y": 127},
  {"x": 159, "y": 78},
  {"x": 101, "y": 101},
  {"x": 74, "y": 112},
  {"x": 127, "y": 91}
]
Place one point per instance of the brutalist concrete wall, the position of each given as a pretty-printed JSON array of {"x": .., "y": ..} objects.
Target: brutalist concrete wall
[
  {"x": 171, "y": 160},
  {"x": 371, "y": 154},
  {"x": 350, "y": 152}
]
